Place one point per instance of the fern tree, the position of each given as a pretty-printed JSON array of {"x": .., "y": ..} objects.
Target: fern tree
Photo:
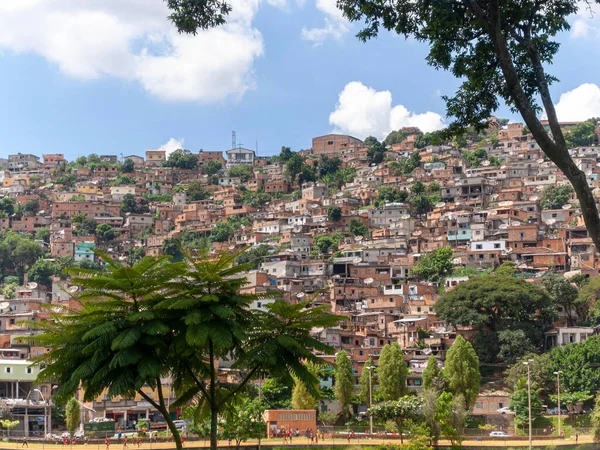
[{"x": 155, "y": 319}]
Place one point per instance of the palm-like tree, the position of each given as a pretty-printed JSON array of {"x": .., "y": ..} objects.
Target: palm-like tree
[{"x": 156, "y": 318}]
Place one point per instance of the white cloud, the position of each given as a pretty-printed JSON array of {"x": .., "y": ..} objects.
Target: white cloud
[
  {"x": 171, "y": 145},
  {"x": 336, "y": 26},
  {"x": 587, "y": 21},
  {"x": 133, "y": 40},
  {"x": 362, "y": 111},
  {"x": 579, "y": 104}
]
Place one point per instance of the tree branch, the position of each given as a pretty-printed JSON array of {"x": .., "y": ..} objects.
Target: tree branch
[{"x": 239, "y": 386}]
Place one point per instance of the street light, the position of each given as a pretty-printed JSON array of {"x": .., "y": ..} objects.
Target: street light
[
  {"x": 558, "y": 373},
  {"x": 528, "y": 364},
  {"x": 370, "y": 369},
  {"x": 45, "y": 412}
]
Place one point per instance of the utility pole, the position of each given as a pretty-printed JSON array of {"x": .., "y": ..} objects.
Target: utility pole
[
  {"x": 370, "y": 368},
  {"x": 528, "y": 364},
  {"x": 558, "y": 391}
]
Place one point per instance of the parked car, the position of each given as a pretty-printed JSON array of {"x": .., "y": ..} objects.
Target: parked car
[
  {"x": 505, "y": 410},
  {"x": 498, "y": 434}
]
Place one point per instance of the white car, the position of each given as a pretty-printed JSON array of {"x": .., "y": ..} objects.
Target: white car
[
  {"x": 498, "y": 434},
  {"x": 505, "y": 410}
]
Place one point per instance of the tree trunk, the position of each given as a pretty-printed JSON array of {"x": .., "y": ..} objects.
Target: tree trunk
[{"x": 214, "y": 428}]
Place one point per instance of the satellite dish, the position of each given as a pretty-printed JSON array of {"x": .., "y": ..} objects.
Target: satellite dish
[
  {"x": 502, "y": 226},
  {"x": 339, "y": 194},
  {"x": 492, "y": 212},
  {"x": 357, "y": 260},
  {"x": 567, "y": 206},
  {"x": 300, "y": 294},
  {"x": 534, "y": 198},
  {"x": 4, "y": 305},
  {"x": 369, "y": 281},
  {"x": 417, "y": 233},
  {"x": 550, "y": 221},
  {"x": 516, "y": 223},
  {"x": 231, "y": 247},
  {"x": 32, "y": 285},
  {"x": 358, "y": 238},
  {"x": 485, "y": 163},
  {"x": 72, "y": 289},
  {"x": 314, "y": 206},
  {"x": 297, "y": 229},
  {"x": 540, "y": 161},
  {"x": 509, "y": 250},
  {"x": 405, "y": 216},
  {"x": 503, "y": 167},
  {"x": 440, "y": 205}
]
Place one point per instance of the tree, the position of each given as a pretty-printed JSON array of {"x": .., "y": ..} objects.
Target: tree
[
  {"x": 401, "y": 410},
  {"x": 596, "y": 420},
  {"x": 294, "y": 166},
  {"x": 452, "y": 415},
  {"x": 105, "y": 232},
  {"x": 434, "y": 266},
  {"x": 513, "y": 344},
  {"x": 133, "y": 204},
  {"x": 221, "y": 232},
  {"x": 285, "y": 154},
  {"x": 326, "y": 244},
  {"x": 376, "y": 153},
  {"x": 254, "y": 256},
  {"x": 72, "y": 411},
  {"x": 498, "y": 50},
  {"x": 542, "y": 379},
  {"x": 172, "y": 247},
  {"x": 32, "y": 206},
  {"x": 363, "y": 382},
  {"x": 328, "y": 418},
  {"x": 128, "y": 166},
  {"x": 581, "y": 134},
  {"x": 334, "y": 213},
  {"x": 563, "y": 293},
  {"x": 554, "y": 197},
  {"x": 181, "y": 159},
  {"x": 328, "y": 166},
  {"x": 196, "y": 191},
  {"x": 43, "y": 234},
  {"x": 42, "y": 272},
  {"x": 391, "y": 194},
  {"x": 357, "y": 228},
  {"x": 302, "y": 397},
  {"x": 212, "y": 167},
  {"x": 135, "y": 254},
  {"x": 8, "y": 425},
  {"x": 370, "y": 140},
  {"x": 344, "y": 381},
  {"x": 276, "y": 394},
  {"x": 519, "y": 404},
  {"x": 86, "y": 226},
  {"x": 461, "y": 371},
  {"x": 432, "y": 375},
  {"x": 431, "y": 399},
  {"x": 7, "y": 205},
  {"x": 395, "y": 137},
  {"x": 417, "y": 188},
  {"x": 587, "y": 301},
  {"x": 244, "y": 421},
  {"x": 392, "y": 372},
  {"x": 507, "y": 268},
  {"x": 141, "y": 322},
  {"x": 579, "y": 365},
  {"x": 494, "y": 303},
  {"x": 244, "y": 172},
  {"x": 25, "y": 254}
]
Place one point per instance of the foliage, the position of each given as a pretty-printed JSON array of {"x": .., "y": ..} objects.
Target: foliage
[
  {"x": 564, "y": 294},
  {"x": 571, "y": 398},
  {"x": 7, "y": 205},
  {"x": 8, "y": 424},
  {"x": 401, "y": 410},
  {"x": 596, "y": 420},
  {"x": 85, "y": 226},
  {"x": 244, "y": 421},
  {"x": 495, "y": 303},
  {"x": 579, "y": 365},
  {"x": 135, "y": 254},
  {"x": 276, "y": 394},
  {"x": 302, "y": 397},
  {"x": 507, "y": 268},
  {"x": 222, "y": 231},
  {"x": 363, "y": 381},
  {"x": 181, "y": 159},
  {"x": 433, "y": 266},
  {"x": 295, "y": 165},
  {"x": 513, "y": 344},
  {"x": 423, "y": 203},
  {"x": 123, "y": 180},
  {"x": 105, "y": 232},
  {"x": 390, "y": 194},
  {"x": 42, "y": 272},
  {"x": 581, "y": 134},
  {"x": 72, "y": 415},
  {"x": 475, "y": 157},
  {"x": 461, "y": 371},
  {"x": 554, "y": 197},
  {"x": 43, "y": 234},
  {"x": 254, "y": 256},
  {"x": 334, "y": 213},
  {"x": 376, "y": 153},
  {"x": 17, "y": 252},
  {"x": 212, "y": 167},
  {"x": 406, "y": 166},
  {"x": 392, "y": 372},
  {"x": 133, "y": 204},
  {"x": 395, "y": 137},
  {"x": 32, "y": 206},
  {"x": 344, "y": 381},
  {"x": 244, "y": 172},
  {"x": 432, "y": 375},
  {"x": 10, "y": 290},
  {"x": 328, "y": 418},
  {"x": 357, "y": 228},
  {"x": 519, "y": 404},
  {"x": 196, "y": 191},
  {"x": 255, "y": 199},
  {"x": 452, "y": 414},
  {"x": 128, "y": 166},
  {"x": 542, "y": 379},
  {"x": 587, "y": 299}
]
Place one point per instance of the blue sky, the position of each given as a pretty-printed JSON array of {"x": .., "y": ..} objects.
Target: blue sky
[{"x": 112, "y": 77}]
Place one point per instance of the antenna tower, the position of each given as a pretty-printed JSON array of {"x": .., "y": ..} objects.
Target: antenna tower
[{"x": 233, "y": 140}]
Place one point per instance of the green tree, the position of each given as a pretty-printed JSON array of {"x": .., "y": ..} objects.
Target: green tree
[
  {"x": 42, "y": 272},
  {"x": 135, "y": 254},
  {"x": 432, "y": 375},
  {"x": 542, "y": 379},
  {"x": 587, "y": 301},
  {"x": 43, "y": 234},
  {"x": 32, "y": 206},
  {"x": 376, "y": 153},
  {"x": 105, "y": 232},
  {"x": 579, "y": 365},
  {"x": 10, "y": 290},
  {"x": 507, "y": 268},
  {"x": 498, "y": 50},
  {"x": 363, "y": 381},
  {"x": 554, "y": 197},
  {"x": 452, "y": 415},
  {"x": 172, "y": 247},
  {"x": 196, "y": 191},
  {"x": 303, "y": 397},
  {"x": 212, "y": 167},
  {"x": 25, "y": 254},
  {"x": 357, "y": 228},
  {"x": 513, "y": 344},
  {"x": 328, "y": 166},
  {"x": 181, "y": 159},
  {"x": 391, "y": 194},
  {"x": 7, "y": 205},
  {"x": 285, "y": 154},
  {"x": 72, "y": 412},
  {"x": 244, "y": 421},
  {"x": 519, "y": 404},
  {"x": 294, "y": 166},
  {"x": 9, "y": 424},
  {"x": 254, "y": 256},
  {"x": 128, "y": 166},
  {"x": 325, "y": 244},
  {"x": 334, "y": 213},
  {"x": 417, "y": 188},
  {"x": 221, "y": 232},
  {"x": 494, "y": 303},
  {"x": 395, "y": 137},
  {"x": 434, "y": 266},
  {"x": 596, "y": 420},
  {"x": 401, "y": 410},
  {"x": 581, "y": 134},
  {"x": 138, "y": 323},
  {"x": 276, "y": 394},
  {"x": 344, "y": 381},
  {"x": 244, "y": 172},
  {"x": 461, "y": 371},
  {"x": 392, "y": 372},
  {"x": 85, "y": 226},
  {"x": 563, "y": 293}
]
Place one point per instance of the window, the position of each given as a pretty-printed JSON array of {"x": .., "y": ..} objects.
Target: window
[
  {"x": 329, "y": 142},
  {"x": 478, "y": 405},
  {"x": 12, "y": 321},
  {"x": 496, "y": 245},
  {"x": 29, "y": 370},
  {"x": 478, "y": 246},
  {"x": 8, "y": 369}
]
